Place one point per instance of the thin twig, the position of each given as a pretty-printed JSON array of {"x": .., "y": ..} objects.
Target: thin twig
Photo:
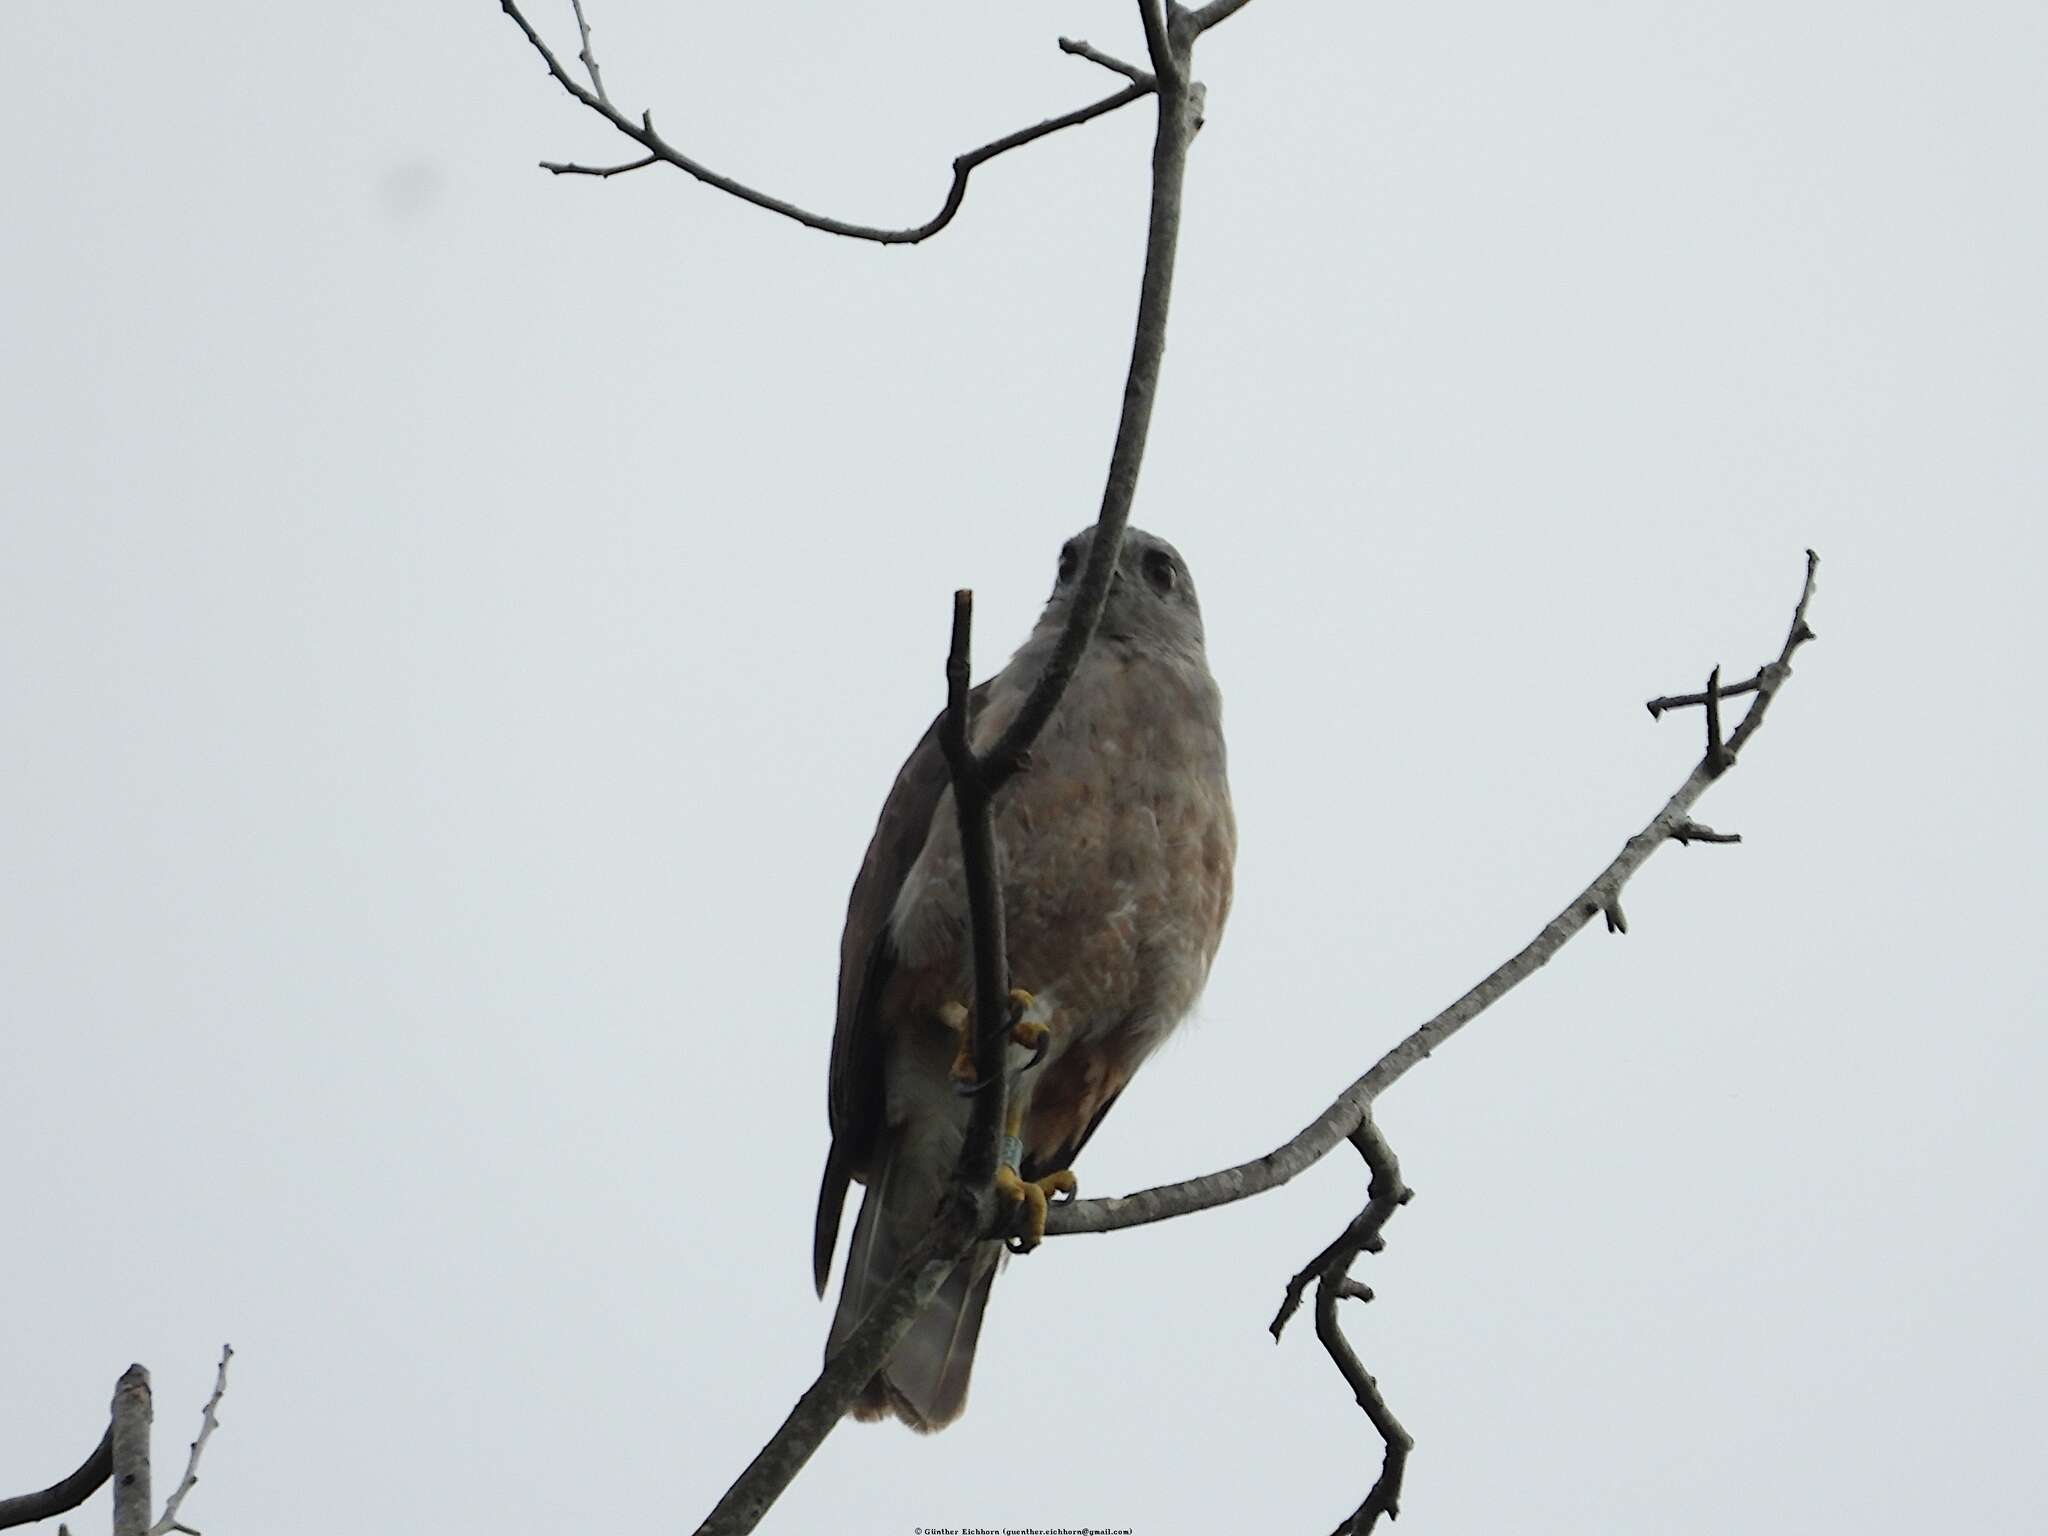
[
  {"x": 27, "y": 1508},
  {"x": 1207, "y": 16},
  {"x": 1385, "y": 1194},
  {"x": 1717, "y": 753},
  {"x": 571, "y": 168},
  {"x": 589, "y": 55},
  {"x": 643, "y": 133},
  {"x": 1177, "y": 124},
  {"x": 1694, "y": 832},
  {"x": 1656, "y": 707},
  {"x": 1275, "y": 1168},
  {"x": 208, "y": 1423},
  {"x": 1080, "y": 48}
]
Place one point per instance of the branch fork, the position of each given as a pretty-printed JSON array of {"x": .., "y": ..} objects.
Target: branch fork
[{"x": 968, "y": 1213}]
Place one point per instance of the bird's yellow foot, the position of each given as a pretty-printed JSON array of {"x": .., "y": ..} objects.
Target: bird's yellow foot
[
  {"x": 1036, "y": 1195},
  {"x": 1027, "y": 1032}
]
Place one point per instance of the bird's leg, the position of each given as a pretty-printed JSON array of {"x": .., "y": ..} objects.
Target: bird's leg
[
  {"x": 1036, "y": 1194},
  {"x": 1027, "y": 1032}
]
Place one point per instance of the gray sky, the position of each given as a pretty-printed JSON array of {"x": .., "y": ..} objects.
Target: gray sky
[{"x": 457, "y": 627}]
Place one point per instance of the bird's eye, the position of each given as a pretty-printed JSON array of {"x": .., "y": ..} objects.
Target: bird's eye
[
  {"x": 1070, "y": 562},
  {"x": 1159, "y": 571}
]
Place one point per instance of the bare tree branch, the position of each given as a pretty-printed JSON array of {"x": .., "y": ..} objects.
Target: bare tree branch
[
  {"x": 589, "y": 55},
  {"x": 1331, "y": 1270},
  {"x": 818, "y": 1412},
  {"x": 1657, "y": 707},
  {"x": 1801, "y": 633},
  {"x": 969, "y": 1213},
  {"x": 208, "y": 1423},
  {"x": 1179, "y": 118},
  {"x": 602, "y": 172},
  {"x": 1336, "y": 1122},
  {"x": 1207, "y": 16},
  {"x": 131, "y": 1416},
  {"x": 659, "y": 149},
  {"x": 27, "y": 1508},
  {"x": 1158, "y": 43},
  {"x": 1693, "y": 832},
  {"x": 1080, "y": 48}
]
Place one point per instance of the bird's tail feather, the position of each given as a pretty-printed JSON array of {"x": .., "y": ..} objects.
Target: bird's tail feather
[{"x": 925, "y": 1380}]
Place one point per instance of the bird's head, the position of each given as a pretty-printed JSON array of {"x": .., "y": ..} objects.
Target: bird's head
[{"x": 1151, "y": 595}]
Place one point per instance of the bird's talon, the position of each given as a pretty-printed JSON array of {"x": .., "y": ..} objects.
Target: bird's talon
[{"x": 1035, "y": 1197}]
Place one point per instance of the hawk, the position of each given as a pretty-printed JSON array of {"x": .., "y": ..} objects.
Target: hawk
[{"x": 1115, "y": 847}]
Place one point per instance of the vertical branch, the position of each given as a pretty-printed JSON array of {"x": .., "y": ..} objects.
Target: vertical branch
[
  {"x": 132, "y": 1508},
  {"x": 589, "y": 54},
  {"x": 968, "y": 1212},
  {"x": 973, "y": 805},
  {"x": 1179, "y": 117}
]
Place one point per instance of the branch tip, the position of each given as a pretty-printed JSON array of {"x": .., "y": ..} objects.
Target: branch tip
[{"x": 645, "y": 134}]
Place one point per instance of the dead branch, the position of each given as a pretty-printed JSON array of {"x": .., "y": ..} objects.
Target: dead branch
[
  {"x": 589, "y": 55},
  {"x": 27, "y": 1508},
  {"x": 660, "y": 151},
  {"x": 1350, "y": 1116},
  {"x": 123, "y": 1455},
  {"x": 1336, "y": 1122},
  {"x": 1331, "y": 1270},
  {"x": 969, "y": 1215},
  {"x": 209, "y": 1421},
  {"x": 131, "y": 1414}
]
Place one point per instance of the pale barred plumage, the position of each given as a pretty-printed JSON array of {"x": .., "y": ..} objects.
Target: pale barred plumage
[{"x": 1115, "y": 847}]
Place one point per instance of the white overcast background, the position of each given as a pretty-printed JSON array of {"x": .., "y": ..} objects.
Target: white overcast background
[{"x": 457, "y": 627}]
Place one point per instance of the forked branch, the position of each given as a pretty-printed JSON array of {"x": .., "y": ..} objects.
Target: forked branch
[
  {"x": 1672, "y": 823},
  {"x": 123, "y": 1452},
  {"x": 1331, "y": 1272},
  {"x": 660, "y": 152},
  {"x": 1350, "y": 1115},
  {"x": 968, "y": 1214}
]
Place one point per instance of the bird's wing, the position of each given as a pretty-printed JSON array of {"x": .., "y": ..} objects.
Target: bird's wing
[{"x": 866, "y": 959}]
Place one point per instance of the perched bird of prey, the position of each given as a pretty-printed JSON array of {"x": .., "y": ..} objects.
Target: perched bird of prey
[{"x": 1114, "y": 847}]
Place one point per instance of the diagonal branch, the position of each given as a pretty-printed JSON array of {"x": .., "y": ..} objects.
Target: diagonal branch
[
  {"x": 818, "y": 1412},
  {"x": 658, "y": 149},
  {"x": 27, "y": 1508},
  {"x": 589, "y": 54},
  {"x": 1337, "y": 1121},
  {"x": 1081, "y": 48},
  {"x": 1207, "y": 16},
  {"x": 208, "y": 1423}
]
